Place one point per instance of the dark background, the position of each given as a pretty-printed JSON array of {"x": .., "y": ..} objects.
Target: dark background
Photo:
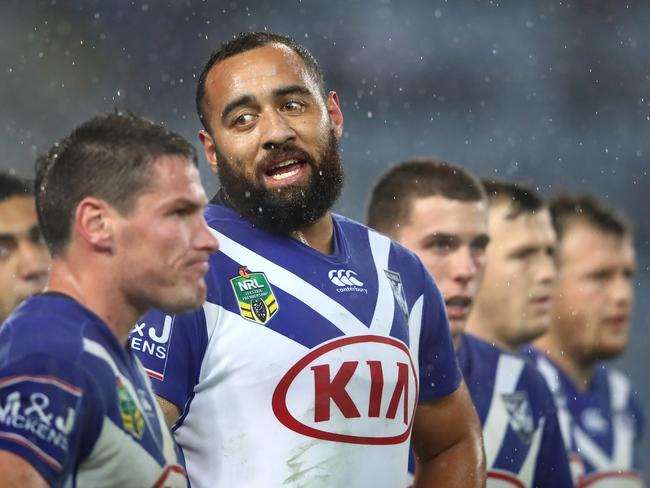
[{"x": 556, "y": 94}]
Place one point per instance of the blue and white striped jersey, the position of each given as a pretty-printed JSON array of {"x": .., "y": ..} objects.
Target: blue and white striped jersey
[
  {"x": 522, "y": 438},
  {"x": 301, "y": 369},
  {"x": 523, "y": 442},
  {"x": 77, "y": 405},
  {"x": 602, "y": 426}
]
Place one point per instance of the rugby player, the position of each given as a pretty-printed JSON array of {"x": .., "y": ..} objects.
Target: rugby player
[
  {"x": 513, "y": 306},
  {"x": 120, "y": 204},
  {"x": 305, "y": 365},
  {"x": 23, "y": 255},
  {"x": 590, "y": 325},
  {"x": 440, "y": 211}
]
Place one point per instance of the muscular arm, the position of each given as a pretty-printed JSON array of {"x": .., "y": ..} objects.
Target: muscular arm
[
  {"x": 18, "y": 473},
  {"x": 447, "y": 443},
  {"x": 171, "y": 411}
]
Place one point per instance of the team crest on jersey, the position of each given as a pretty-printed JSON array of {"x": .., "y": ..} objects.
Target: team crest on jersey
[
  {"x": 519, "y": 414},
  {"x": 254, "y": 295},
  {"x": 131, "y": 416},
  {"x": 395, "y": 281}
]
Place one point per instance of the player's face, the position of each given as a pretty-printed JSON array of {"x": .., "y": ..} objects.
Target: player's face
[
  {"x": 450, "y": 238},
  {"x": 164, "y": 242},
  {"x": 515, "y": 298},
  {"x": 24, "y": 258},
  {"x": 274, "y": 138},
  {"x": 594, "y": 293}
]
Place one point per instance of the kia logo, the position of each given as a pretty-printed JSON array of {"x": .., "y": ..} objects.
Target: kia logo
[{"x": 358, "y": 390}]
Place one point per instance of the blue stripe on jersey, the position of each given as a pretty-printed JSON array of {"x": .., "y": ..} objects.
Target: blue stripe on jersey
[
  {"x": 527, "y": 404},
  {"x": 349, "y": 279},
  {"x": 592, "y": 428},
  {"x": 63, "y": 377}
]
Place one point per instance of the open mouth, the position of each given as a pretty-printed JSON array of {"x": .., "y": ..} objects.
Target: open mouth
[
  {"x": 458, "y": 307},
  {"x": 285, "y": 170}
]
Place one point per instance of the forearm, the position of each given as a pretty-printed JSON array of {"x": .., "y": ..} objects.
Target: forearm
[{"x": 460, "y": 465}]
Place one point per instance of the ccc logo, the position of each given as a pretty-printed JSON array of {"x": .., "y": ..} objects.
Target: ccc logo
[{"x": 344, "y": 277}]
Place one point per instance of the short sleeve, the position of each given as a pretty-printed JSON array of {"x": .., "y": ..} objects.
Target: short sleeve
[
  {"x": 171, "y": 348},
  {"x": 50, "y": 414},
  {"x": 439, "y": 371}
]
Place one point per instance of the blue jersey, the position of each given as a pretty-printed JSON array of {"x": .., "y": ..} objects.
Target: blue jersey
[
  {"x": 301, "y": 369},
  {"x": 523, "y": 442},
  {"x": 77, "y": 405},
  {"x": 521, "y": 435},
  {"x": 602, "y": 425}
]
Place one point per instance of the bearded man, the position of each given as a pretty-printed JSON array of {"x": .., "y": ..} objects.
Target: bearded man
[{"x": 303, "y": 368}]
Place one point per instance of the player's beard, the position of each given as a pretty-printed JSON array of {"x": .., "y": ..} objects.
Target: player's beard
[{"x": 292, "y": 207}]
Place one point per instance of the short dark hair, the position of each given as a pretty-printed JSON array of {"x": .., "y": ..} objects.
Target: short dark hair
[
  {"x": 246, "y": 41},
  {"x": 110, "y": 157},
  {"x": 522, "y": 198},
  {"x": 12, "y": 185},
  {"x": 392, "y": 197},
  {"x": 567, "y": 208}
]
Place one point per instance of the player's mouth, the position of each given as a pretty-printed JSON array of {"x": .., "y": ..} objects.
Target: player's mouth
[
  {"x": 285, "y": 171},
  {"x": 617, "y": 322},
  {"x": 458, "y": 307},
  {"x": 540, "y": 301}
]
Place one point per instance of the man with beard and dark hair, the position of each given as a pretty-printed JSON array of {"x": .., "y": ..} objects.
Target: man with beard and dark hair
[{"x": 303, "y": 368}]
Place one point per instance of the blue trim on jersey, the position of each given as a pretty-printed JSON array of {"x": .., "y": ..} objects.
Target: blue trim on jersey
[
  {"x": 300, "y": 321},
  {"x": 592, "y": 411},
  {"x": 55, "y": 395}
]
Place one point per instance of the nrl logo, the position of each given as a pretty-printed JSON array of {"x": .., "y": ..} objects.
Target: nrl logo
[
  {"x": 254, "y": 296},
  {"x": 131, "y": 416},
  {"x": 519, "y": 414}
]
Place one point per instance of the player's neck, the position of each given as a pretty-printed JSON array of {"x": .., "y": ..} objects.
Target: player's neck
[
  {"x": 319, "y": 235},
  {"x": 98, "y": 295},
  {"x": 578, "y": 371},
  {"x": 480, "y": 328}
]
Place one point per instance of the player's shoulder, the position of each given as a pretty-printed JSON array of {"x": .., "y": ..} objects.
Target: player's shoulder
[
  {"x": 47, "y": 324},
  {"x": 481, "y": 347},
  {"x": 402, "y": 259},
  {"x": 622, "y": 391}
]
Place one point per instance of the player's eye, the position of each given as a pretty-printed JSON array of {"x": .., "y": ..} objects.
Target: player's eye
[
  {"x": 6, "y": 247},
  {"x": 244, "y": 120},
  {"x": 293, "y": 106}
]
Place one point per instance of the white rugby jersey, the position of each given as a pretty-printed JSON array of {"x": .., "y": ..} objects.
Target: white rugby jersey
[
  {"x": 602, "y": 426},
  {"x": 301, "y": 369}
]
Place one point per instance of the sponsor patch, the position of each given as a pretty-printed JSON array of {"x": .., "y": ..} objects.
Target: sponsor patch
[
  {"x": 38, "y": 412},
  {"x": 519, "y": 414},
  {"x": 152, "y": 338},
  {"x": 254, "y": 295},
  {"x": 131, "y": 416},
  {"x": 353, "y": 389}
]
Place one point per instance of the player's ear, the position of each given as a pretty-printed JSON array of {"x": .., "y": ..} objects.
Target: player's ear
[
  {"x": 334, "y": 110},
  {"x": 209, "y": 149},
  {"x": 92, "y": 223}
]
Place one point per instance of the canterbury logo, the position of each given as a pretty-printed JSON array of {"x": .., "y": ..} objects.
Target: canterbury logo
[{"x": 344, "y": 277}]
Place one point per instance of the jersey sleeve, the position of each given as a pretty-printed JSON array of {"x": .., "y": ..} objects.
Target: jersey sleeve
[
  {"x": 50, "y": 414},
  {"x": 171, "y": 348},
  {"x": 439, "y": 371},
  {"x": 552, "y": 468}
]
